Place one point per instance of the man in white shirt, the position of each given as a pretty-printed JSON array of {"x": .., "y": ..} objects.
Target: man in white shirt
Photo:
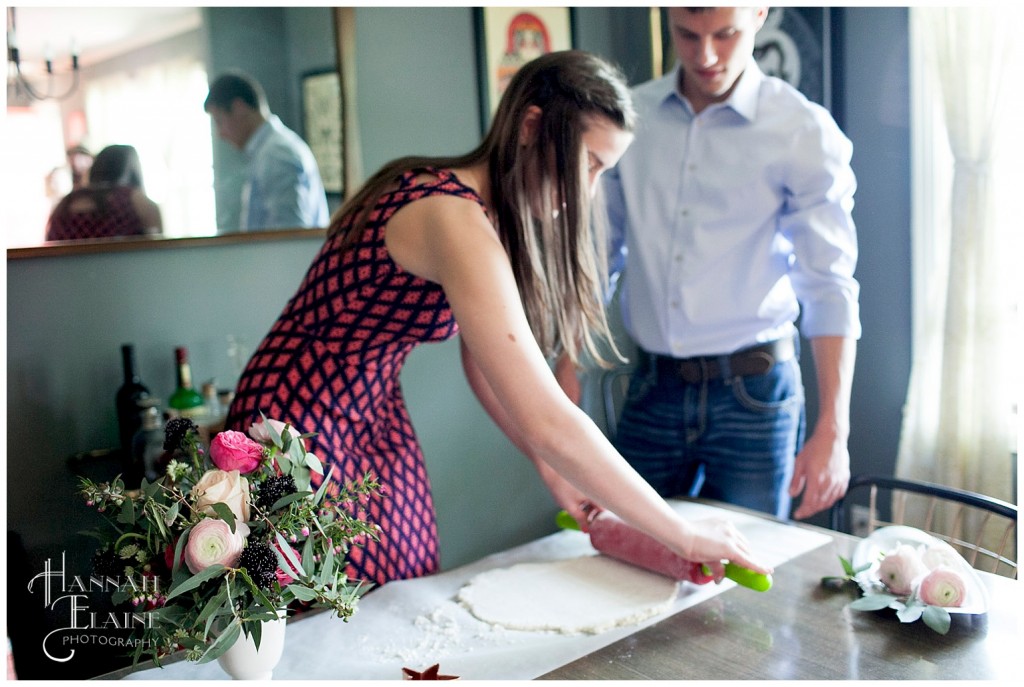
[
  {"x": 283, "y": 189},
  {"x": 734, "y": 205}
]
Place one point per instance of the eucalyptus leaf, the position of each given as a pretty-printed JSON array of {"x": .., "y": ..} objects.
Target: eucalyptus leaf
[
  {"x": 258, "y": 595},
  {"x": 220, "y": 600},
  {"x": 286, "y": 556},
  {"x": 274, "y": 435},
  {"x": 872, "y": 602},
  {"x": 307, "y": 557},
  {"x": 178, "y": 548},
  {"x": 327, "y": 567},
  {"x": 151, "y": 489},
  {"x": 172, "y": 513},
  {"x": 910, "y": 612},
  {"x": 290, "y": 498},
  {"x": 313, "y": 463},
  {"x": 302, "y": 593},
  {"x": 256, "y": 632},
  {"x": 127, "y": 514},
  {"x": 224, "y": 641},
  {"x": 323, "y": 488},
  {"x": 225, "y": 513},
  {"x": 196, "y": 580},
  {"x": 936, "y": 618}
]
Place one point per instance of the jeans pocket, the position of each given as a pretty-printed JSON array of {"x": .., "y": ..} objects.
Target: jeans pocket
[
  {"x": 640, "y": 384},
  {"x": 778, "y": 389}
]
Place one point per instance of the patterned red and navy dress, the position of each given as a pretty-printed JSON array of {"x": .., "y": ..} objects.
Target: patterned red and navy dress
[
  {"x": 117, "y": 218},
  {"x": 330, "y": 365}
]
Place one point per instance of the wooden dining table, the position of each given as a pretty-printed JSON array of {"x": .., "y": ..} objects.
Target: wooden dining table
[
  {"x": 799, "y": 629},
  {"x": 803, "y": 629}
]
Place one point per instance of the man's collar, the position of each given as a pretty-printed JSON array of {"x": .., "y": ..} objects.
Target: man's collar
[
  {"x": 259, "y": 135},
  {"x": 743, "y": 98}
]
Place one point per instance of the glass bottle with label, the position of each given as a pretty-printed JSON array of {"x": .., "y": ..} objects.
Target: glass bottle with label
[
  {"x": 185, "y": 401},
  {"x": 148, "y": 442}
]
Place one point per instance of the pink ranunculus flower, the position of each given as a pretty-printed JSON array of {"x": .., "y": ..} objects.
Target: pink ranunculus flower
[
  {"x": 218, "y": 486},
  {"x": 210, "y": 542},
  {"x": 231, "y": 450},
  {"x": 259, "y": 432},
  {"x": 284, "y": 578},
  {"x": 943, "y": 587},
  {"x": 900, "y": 568}
]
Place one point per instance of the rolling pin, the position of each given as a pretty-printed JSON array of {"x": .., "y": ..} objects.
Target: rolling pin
[{"x": 610, "y": 535}]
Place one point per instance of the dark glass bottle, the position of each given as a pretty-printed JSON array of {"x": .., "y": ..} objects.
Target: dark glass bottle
[{"x": 132, "y": 391}]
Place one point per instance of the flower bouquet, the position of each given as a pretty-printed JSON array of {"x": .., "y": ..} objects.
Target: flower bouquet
[
  {"x": 227, "y": 539},
  {"x": 918, "y": 576}
]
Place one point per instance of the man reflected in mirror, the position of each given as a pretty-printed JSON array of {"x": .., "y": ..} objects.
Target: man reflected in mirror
[{"x": 283, "y": 189}]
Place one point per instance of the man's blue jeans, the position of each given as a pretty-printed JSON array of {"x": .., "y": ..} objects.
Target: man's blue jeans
[{"x": 732, "y": 440}]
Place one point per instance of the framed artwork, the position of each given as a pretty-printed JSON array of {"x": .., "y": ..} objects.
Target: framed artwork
[
  {"x": 508, "y": 38},
  {"x": 794, "y": 44},
  {"x": 322, "y": 124}
]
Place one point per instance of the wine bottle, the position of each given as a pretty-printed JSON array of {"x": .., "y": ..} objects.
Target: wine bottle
[
  {"x": 185, "y": 401},
  {"x": 131, "y": 391}
]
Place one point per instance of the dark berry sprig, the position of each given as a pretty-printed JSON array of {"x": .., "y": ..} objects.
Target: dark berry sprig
[
  {"x": 260, "y": 562},
  {"x": 274, "y": 488}
]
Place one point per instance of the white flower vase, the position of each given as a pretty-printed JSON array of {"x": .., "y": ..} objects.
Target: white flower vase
[{"x": 243, "y": 661}]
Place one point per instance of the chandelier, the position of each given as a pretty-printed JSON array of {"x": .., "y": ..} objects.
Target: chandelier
[{"x": 20, "y": 84}]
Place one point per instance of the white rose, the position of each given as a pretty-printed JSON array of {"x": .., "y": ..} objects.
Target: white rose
[{"x": 219, "y": 486}]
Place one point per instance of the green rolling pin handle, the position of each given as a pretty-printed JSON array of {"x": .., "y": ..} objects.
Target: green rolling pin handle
[
  {"x": 745, "y": 577},
  {"x": 566, "y": 521}
]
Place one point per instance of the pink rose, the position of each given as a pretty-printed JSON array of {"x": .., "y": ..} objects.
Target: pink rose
[
  {"x": 900, "y": 567},
  {"x": 943, "y": 587},
  {"x": 218, "y": 486},
  {"x": 284, "y": 578},
  {"x": 259, "y": 432},
  {"x": 210, "y": 542},
  {"x": 231, "y": 450}
]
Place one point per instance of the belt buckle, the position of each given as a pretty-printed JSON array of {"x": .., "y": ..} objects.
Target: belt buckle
[{"x": 693, "y": 371}]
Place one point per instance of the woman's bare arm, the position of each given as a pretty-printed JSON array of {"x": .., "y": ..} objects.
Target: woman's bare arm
[{"x": 448, "y": 240}]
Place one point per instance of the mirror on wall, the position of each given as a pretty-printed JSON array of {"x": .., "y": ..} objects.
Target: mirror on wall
[{"x": 141, "y": 78}]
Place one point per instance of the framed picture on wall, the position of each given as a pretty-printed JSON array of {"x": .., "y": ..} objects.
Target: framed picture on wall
[
  {"x": 794, "y": 44},
  {"x": 321, "y": 112},
  {"x": 508, "y": 38}
]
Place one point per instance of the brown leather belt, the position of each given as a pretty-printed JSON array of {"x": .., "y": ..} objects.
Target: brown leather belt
[{"x": 756, "y": 360}]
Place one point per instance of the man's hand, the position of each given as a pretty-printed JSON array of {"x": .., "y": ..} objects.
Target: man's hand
[{"x": 822, "y": 473}]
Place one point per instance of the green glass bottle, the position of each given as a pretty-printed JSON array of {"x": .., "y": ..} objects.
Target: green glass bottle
[{"x": 185, "y": 401}]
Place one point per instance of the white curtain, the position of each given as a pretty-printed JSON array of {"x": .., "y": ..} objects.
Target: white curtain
[
  {"x": 958, "y": 425},
  {"x": 159, "y": 110}
]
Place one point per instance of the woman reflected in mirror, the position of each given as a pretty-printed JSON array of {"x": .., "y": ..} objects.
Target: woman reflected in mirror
[{"x": 113, "y": 203}]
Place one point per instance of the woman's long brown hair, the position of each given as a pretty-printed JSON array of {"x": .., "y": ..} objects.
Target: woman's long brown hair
[{"x": 559, "y": 259}]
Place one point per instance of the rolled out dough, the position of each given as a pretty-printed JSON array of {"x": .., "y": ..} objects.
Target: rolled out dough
[{"x": 584, "y": 595}]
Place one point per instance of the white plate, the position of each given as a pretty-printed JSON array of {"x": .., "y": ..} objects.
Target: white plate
[{"x": 885, "y": 539}]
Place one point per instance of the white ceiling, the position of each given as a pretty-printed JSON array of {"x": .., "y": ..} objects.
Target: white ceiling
[{"x": 98, "y": 32}]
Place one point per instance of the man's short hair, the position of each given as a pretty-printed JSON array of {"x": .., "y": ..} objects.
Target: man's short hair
[{"x": 232, "y": 86}]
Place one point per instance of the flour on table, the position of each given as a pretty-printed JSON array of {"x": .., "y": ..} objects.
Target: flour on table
[{"x": 585, "y": 595}]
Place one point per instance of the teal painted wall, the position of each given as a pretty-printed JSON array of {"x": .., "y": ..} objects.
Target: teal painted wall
[{"x": 67, "y": 316}]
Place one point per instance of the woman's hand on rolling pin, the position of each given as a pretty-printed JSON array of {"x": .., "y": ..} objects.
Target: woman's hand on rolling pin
[{"x": 714, "y": 541}]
